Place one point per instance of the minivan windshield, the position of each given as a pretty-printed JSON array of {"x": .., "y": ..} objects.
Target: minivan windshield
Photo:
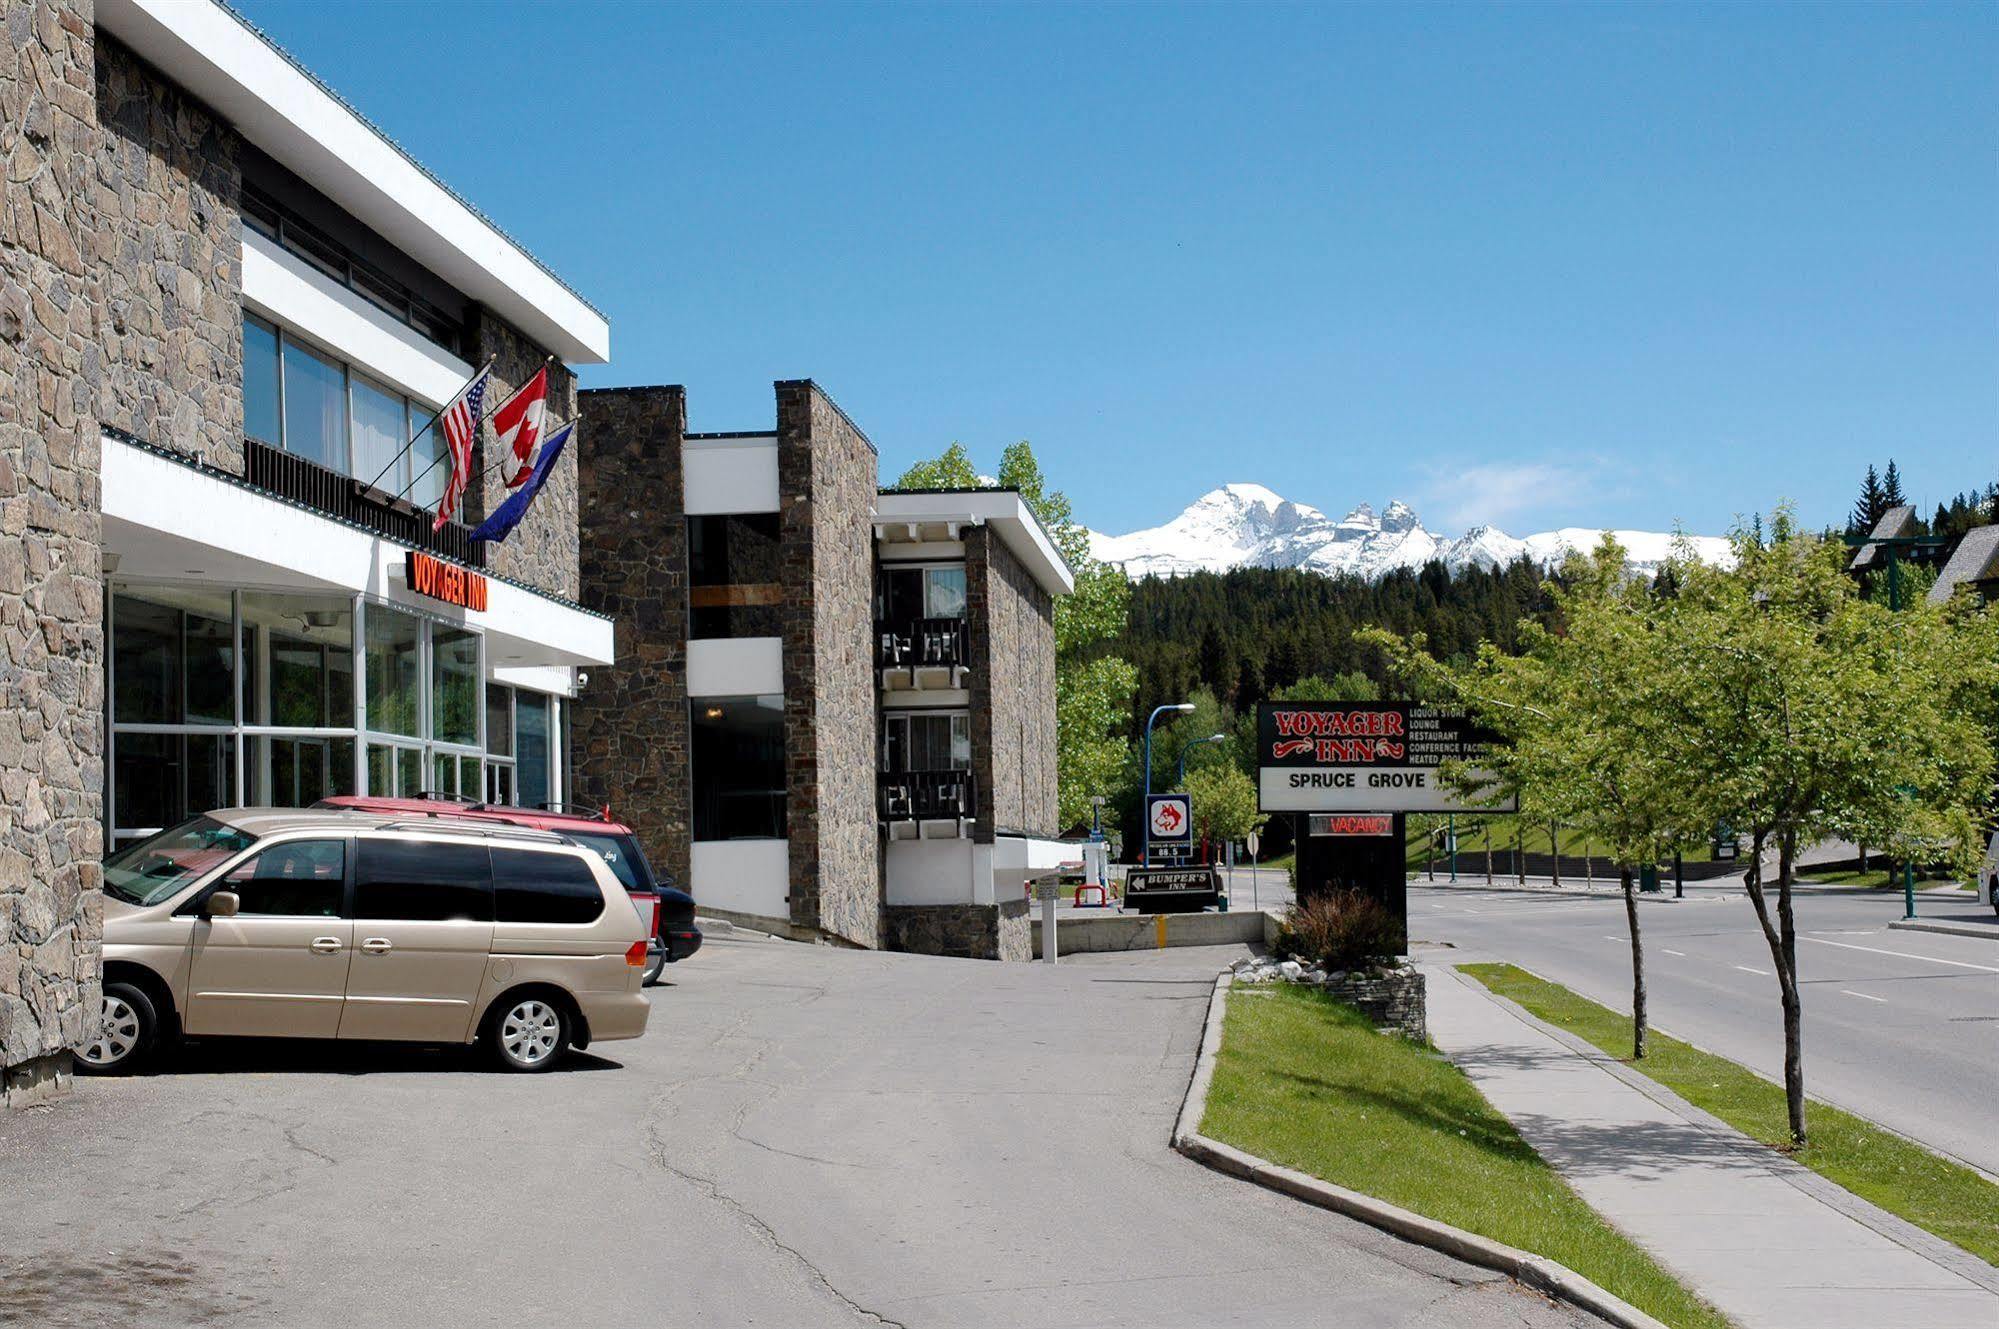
[{"x": 154, "y": 868}]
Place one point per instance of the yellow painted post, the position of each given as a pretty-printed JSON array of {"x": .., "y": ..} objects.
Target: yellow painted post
[{"x": 1159, "y": 931}]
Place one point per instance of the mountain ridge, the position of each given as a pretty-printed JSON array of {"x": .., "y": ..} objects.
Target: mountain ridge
[{"x": 1249, "y": 525}]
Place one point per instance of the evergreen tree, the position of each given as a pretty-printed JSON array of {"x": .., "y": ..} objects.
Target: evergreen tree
[
  {"x": 1868, "y": 510},
  {"x": 1891, "y": 488}
]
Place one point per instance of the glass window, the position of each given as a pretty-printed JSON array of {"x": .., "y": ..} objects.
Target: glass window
[
  {"x": 380, "y": 417},
  {"x": 161, "y": 779},
  {"x": 944, "y": 593},
  {"x": 927, "y": 742},
  {"x": 210, "y": 675},
  {"x": 426, "y": 479},
  {"x": 628, "y": 865},
  {"x": 307, "y": 643},
  {"x": 499, "y": 720},
  {"x": 392, "y": 672},
  {"x": 260, "y": 380},
  {"x": 315, "y": 407},
  {"x": 733, "y": 549},
  {"x": 738, "y": 768},
  {"x": 287, "y": 772},
  {"x": 145, "y": 661},
  {"x": 300, "y": 878},
  {"x": 531, "y": 887},
  {"x": 423, "y": 880},
  {"x": 154, "y": 868},
  {"x": 531, "y": 762},
  {"x": 454, "y": 685}
]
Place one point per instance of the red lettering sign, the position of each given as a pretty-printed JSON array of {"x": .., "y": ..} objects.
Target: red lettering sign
[{"x": 438, "y": 580}]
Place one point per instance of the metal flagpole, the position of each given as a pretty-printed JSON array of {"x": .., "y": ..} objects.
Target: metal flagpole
[
  {"x": 427, "y": 425},
  {"x": 496, "y": 466}
]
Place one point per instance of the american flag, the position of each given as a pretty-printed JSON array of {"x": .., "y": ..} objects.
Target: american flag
[{"x": 459, "y": 423}]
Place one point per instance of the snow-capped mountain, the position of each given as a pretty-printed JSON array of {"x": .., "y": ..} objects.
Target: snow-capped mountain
[{"x": 1245, "y": 525}]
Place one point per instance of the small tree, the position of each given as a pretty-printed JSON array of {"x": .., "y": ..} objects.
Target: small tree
[
  {"x": 1810, "y": 711},
  {"x": 1224, "y": 801}
]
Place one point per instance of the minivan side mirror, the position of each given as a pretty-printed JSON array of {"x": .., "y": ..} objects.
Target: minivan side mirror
[{"x": 222, "y": 904}]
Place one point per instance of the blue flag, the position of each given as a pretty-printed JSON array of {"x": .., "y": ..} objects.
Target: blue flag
[{"x": 508, "y": 515}]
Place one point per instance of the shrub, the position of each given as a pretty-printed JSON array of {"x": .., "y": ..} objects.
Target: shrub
[{"x": 1340, "y": 930}]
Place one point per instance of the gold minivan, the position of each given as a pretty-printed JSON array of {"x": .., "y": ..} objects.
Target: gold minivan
[{"x": 313, "y": 924}]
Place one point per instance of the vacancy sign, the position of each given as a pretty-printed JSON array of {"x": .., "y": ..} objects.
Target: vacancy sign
[
  {"x": 1331, "y": 756},
  {"x": 1171, "y": 817}
]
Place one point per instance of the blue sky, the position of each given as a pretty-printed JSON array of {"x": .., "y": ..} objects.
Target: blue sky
[{"x": 1533, "y": 265}]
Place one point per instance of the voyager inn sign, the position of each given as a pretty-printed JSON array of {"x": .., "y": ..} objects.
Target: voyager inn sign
[{"x": 1329, "y": 756}]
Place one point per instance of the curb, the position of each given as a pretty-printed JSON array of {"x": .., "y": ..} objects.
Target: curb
[
  {"x": 1537, "y": 1272},
  {"x": 1950, "y": 929}
]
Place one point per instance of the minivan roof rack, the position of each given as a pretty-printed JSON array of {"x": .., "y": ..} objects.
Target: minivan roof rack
[
  {"x": 579, "y": 810},
  {"x": 491, "y": 830}
]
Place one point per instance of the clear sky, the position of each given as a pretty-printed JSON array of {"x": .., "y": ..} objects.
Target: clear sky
[{"x": 1534, "y": 265}]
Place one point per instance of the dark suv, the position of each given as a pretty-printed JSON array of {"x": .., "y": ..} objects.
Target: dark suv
[{"x": 674, "y": 935}]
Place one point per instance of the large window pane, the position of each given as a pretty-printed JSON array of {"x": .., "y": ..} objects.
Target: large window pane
[
  {"x": 306, "y": 643},
  {"x": 315, "y": 407},
  {"x": 300, "y": 878},
  {"x": 392, "y": 671},
  {"x": 287, "y": 771},
  {"x": 161, "y": 779},
  {"x": 944, "y": 595},
  {"x": 171, "y": 656},
  {"x": 738, "y": 768},
  {"x": 379, "y": 421},
  {"x": 260, "y": 380},
  {"x": 499, "y": 720},
  {"x": 454, "y": 685},
  {"x": 423, "y": 880},
  {"x": 531, "y": 734}
]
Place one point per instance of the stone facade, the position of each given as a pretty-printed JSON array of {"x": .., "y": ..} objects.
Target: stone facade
[
  {"x": 827, "y": 477},
  {"x": 169, "y": 248},
  {"x": 969, "y": 931},
  {"x": 1392, "y": 998},
  {"x": 52, "y": 369},
  {"x": 630, "y": 738},
  {"x": 543, "y": 550},
  {"x": 1010, "y": 621}
]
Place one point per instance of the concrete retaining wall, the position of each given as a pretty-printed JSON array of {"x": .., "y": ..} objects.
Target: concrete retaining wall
[{"x": 1140, "y": 932}]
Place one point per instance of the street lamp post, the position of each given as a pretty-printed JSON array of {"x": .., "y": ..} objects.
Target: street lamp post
[
  {"x": 1181, "y": 707},
  {"x": 1180, "y": 780}
]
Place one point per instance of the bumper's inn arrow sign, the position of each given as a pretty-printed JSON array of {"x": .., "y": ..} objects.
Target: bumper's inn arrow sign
[{"x": 1330, "y": 756}]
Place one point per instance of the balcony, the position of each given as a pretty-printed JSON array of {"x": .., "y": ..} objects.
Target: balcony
[
  {"x": 344, "y": 498},
  {"x": 919, "y": 796},
  {"x": 923, "y": 652}
]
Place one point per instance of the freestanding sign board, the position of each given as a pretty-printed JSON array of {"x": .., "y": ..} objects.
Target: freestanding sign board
[
  {"x": 1171, "y": 890},
  {"x": 1171, "y": 817},
  {"x": 1332, "y": 756}
]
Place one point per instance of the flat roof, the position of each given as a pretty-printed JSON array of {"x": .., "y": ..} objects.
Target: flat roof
[
  {"x": 278, "y": 104},
  {"x": 1004, "y": 510}
]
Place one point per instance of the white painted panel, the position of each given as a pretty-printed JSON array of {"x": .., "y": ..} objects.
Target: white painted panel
[
  {"x": 1016, "y": 858},
  {"x": 954, "y": 871},
  {"x": 743, "y": 876},
  {"x": 539, "y": 678},
  {"x": 166, "y": 521},
  {"x": 730, "y": 475},
  {"x": 283, "y": 287},
  {"x": 735, "y": 667}
]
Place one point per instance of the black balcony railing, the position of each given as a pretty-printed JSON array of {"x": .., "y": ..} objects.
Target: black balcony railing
[
  {"x": 344, "y": 497},
  {"x": 922, "y": 643},
  {"x": 925, "y": 795}
]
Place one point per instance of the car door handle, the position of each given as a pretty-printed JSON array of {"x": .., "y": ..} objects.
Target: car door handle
[
  {"x": 326, "y": 945},
  {"x": 375, "y": 946}
]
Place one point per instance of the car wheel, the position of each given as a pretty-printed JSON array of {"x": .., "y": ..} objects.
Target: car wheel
[
  {"x": 655, "y": 963},
  {"x": 129, "y": 1026},
  {"x": 529, "y": 1033}
]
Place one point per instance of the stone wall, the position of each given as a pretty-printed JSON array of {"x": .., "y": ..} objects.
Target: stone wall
[
  {"x": 826, "y": 491},
  {"x": 51, "y": 586},
  {"x": 968, "y": 931},
  {"x": 1392, "y": 998},
  {"x": 630, "y": 738},
  {"x": 543, "y": 550},
  {"x": 1012, "y": 684},
  {"x": 169, "y": 244}
]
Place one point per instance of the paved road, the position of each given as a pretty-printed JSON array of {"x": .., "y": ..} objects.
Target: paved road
[
  {"x": 807, "y": 1137},
  {"x": 1901, "y": 1027}
]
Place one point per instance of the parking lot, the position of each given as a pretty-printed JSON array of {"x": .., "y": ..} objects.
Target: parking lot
[{"x": 806, "y": 1136}]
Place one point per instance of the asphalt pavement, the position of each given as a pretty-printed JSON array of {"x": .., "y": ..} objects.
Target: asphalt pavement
[
  {"x": 805, "y": 1137},
  {"x": 1900, "y": 1027}
]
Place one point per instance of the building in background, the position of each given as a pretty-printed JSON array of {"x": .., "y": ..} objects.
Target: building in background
[
  {"x": 834, "y": 708},
  {"x": 226, "y": 301}
]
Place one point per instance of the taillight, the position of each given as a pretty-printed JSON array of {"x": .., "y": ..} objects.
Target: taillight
[{"x": 635, "y": 954}]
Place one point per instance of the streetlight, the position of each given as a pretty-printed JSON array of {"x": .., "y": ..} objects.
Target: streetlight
[
  {"x": 1145, "y": 856},
  {"x": 1181, "y": 781}
]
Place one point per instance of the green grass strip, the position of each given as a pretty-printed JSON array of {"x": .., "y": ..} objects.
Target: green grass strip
[
  {"x": 1902, "y": 1177},
  {"x": 1307, "y": 1082}
]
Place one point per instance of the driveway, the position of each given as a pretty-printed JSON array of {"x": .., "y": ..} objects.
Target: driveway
[{"x": 806, "y": 1137}]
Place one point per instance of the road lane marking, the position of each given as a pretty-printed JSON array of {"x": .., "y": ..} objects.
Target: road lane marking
[
  {"x": 1765, "y": 973},
  {"x": 1681, "y": 954},
  {"x": 1608, "y": 937},
  {"x": 1862, "y": 995},
  {"x": 1904, "y": 955}
]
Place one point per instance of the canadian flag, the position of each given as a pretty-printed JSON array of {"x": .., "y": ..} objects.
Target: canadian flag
[{"x": 517, "y": 424}]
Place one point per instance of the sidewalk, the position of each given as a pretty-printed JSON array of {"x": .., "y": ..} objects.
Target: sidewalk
[{"x": 1766, "y": 1240}]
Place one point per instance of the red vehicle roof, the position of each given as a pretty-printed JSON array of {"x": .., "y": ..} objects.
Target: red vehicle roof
[{"x": 537, "y": 818}]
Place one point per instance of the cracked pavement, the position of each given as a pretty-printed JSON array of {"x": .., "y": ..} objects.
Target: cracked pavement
[{"x": 804, "y": 1137}]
